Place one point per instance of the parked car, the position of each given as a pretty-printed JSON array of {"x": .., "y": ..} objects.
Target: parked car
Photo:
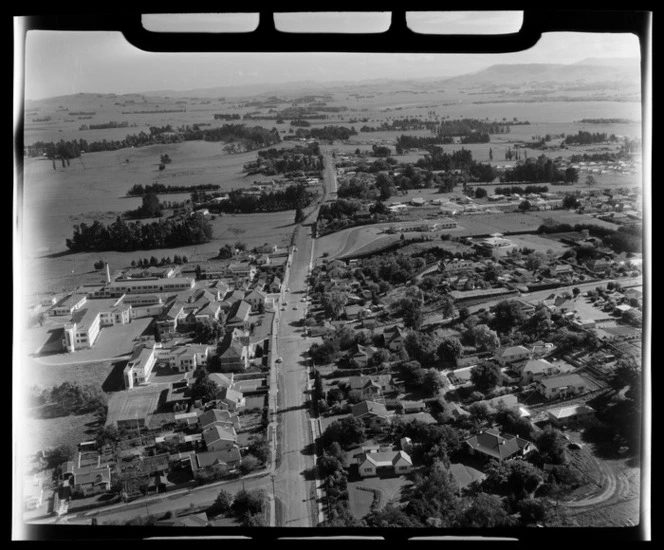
[
  {"x": 279, "y": 360},
  {"x": 294, "y": 307}
]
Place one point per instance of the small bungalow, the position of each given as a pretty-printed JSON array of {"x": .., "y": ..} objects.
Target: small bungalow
[
  {"x": 220, "y": 460},
  {"x": 231, "y": 399},
  {"x": 570, "y": 416},
  {"x": 558, "y": 387},
  {"x": 360, "y": 355},
  {"x": 375, "y": 415},
  {"x": 218, "y": 417},
  {"x": 394, "y": 338},
  {"x": 384, "y": 463},
  {"x": 536, "y": 369},
  {"x": 239, "y": 313},
  {"x": 218, "y": 438},
  {"x": 511, "y": 354},
  {"x": 491, "y": 444},
  {"x": 372, "y": 386}
]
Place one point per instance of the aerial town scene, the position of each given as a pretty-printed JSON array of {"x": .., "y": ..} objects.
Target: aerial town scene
[{"x": 392, "y": 300}]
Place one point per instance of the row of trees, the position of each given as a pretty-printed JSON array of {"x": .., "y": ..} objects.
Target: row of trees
[
  {"x": 418, "y": 142},
  {"x": 254, "y": 138},
  {"x": 588, "y": 138},
  {"x": 471, "y": 127},
  {"x": 623, "y": 239},
  {"x": 283, "y": 161},
  {"x": 289, "y": 198},
  {"x": 518, "y": 190},
  {"x": 127, "y": 236},
  {"x": 403, "y": 125},
  {"x": 541, "y": 169},
  {"x": 139, "y": 190},
  {"x": 69, "y": 398}
]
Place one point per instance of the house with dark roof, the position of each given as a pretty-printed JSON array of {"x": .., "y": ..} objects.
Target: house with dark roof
[
  {"x": 238, "y": 314},
  {"x": 190, "y": 520},
  {"x": 558, "y": 387},
  {"x": 218, "y": 417},
  {"x": 360, "y": 355},
  {"x": 375, "y": 415},
  {"x": 394, "y": 338},
  {"x": 219, "y": 438},
  {"x": 233, "y": 355},
  {"x": 491, "y": 444},
  {"x": 275, "y": 285},
  {"x": 219, "y": 460}
]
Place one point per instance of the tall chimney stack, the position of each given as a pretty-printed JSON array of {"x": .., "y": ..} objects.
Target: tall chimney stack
[{"x": 108, "y": 273}]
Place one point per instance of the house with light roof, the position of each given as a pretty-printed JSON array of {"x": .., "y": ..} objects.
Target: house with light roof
[
  {"x": 379, "y": 463},
  {"x": 140, "y": 365},
  {"x": 558, "y": 387},
  {"x": 570, "y": 416},
  {"x": 511, "y": 354}
]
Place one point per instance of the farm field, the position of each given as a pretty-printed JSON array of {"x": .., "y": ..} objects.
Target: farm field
[{"x": 100, "y": 181}]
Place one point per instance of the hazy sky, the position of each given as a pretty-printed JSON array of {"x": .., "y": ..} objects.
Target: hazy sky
[{"x": 62, "y": 63}]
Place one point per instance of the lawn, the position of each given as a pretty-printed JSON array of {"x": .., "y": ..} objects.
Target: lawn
[
  {"x": 40, "y": 433},
  {"x": 360, "y": 500}
]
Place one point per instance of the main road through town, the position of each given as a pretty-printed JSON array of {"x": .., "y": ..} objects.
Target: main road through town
[{"x": 294, "y": 483}]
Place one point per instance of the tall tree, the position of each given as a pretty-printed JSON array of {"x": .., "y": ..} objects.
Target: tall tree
[
  {"x": 450, "y": 349},
  {"x": 486, "y": 376}
]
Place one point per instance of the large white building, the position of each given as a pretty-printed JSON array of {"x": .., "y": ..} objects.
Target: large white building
[
  {"x": 87, "y": 321},
  {"x": 147, "y": 285},
  {"x": 140, "y": 365}
]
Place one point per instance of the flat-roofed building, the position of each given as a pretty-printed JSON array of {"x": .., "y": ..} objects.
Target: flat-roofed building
[
  {"x": 69, "y": 305},
  {"x": 86, "y": 322},
  {"x": 152, "y": 285},
  {"x": 185, "y": 358}
]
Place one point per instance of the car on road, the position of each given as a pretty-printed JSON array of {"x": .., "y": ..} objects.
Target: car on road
[
  {"x": 294, "y": 307},
  {"x": 279, "y": 360}
]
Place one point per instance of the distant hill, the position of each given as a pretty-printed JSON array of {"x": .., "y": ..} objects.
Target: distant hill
[
  {"x": 518, "y": 74},
  {"x": 617, "y": 75}
]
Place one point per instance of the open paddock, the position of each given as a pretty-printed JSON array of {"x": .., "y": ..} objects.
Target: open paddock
[
  {"x": 46, "y": 433},
  {"x": 45, "y": 375}
]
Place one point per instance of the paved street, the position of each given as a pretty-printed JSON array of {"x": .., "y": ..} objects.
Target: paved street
[{"x": 294, "y": 485}]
